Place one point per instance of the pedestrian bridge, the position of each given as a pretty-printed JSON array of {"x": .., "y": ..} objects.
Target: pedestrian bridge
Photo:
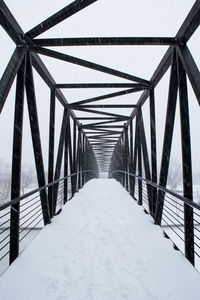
[
  {"x": 100, "y": 239},
  {"x": 102, "y": 246}
]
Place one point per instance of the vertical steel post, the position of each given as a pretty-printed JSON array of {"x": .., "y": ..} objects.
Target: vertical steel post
[
  {"x": 74, "y": 158},
  {"x": 66, "y": 163},
  {"x": 153, "y": 147},
  {"x": 78, "y": 155},
  {"x": 169, "y": 127},
  {"x": 70, "y": 155},
  {"x": 126, "y": 153},
  {"x": 139, "y": 160},
  {"x": 83, "y": 161},
  {"x": 186, "y": 162},
  {"x": 146, "y": 162},
  {"x": 51, "y": 150},
  {"x": 35, "y": 132},
  {"x": 16, "y": 163},
  {"x": 135, "y": 158},
  {"x": 131, "y": 158},
  {"x": 59, "y": 157}
]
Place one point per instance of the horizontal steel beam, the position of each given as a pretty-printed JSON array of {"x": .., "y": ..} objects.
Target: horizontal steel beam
[
  {"x": 102, "y": 131},
  {"x": 96, "y": 118},
  {"x": 106, "y": 41},
  {"x": 105, "y": 126},
  {"x": 98, "y": 85},
  {"x": 103, "y": 106}
]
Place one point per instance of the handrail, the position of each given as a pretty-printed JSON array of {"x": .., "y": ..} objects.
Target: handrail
[
  {"x": 183, "y": 199},
  {"x": 16, "y": 200}
]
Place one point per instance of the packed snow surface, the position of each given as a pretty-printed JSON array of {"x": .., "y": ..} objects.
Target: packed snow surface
[{"x": 101, "y": 247}]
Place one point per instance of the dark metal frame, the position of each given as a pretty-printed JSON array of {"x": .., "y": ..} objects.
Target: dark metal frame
[{"x": 100, "y": 145}]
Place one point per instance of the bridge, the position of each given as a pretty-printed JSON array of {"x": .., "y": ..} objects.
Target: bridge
[{"x": 98, "y": 137}]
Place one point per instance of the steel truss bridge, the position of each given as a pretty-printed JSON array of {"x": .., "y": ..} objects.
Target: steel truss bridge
[{"x": 103, "y": 141}]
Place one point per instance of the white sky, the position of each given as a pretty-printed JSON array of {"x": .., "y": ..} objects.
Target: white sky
[{"x": 103, "y": 18}]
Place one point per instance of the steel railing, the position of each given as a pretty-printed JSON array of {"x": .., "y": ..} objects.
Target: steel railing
[
  {"x": 31, "y": 215},
  {"x": 173, "y": 216}
]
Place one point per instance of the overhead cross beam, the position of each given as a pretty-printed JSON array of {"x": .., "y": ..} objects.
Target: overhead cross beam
[
  {"x": 99, "y": 85},
  {"x": 103, "y": 106},
  {"x": 106, "y": 41}
]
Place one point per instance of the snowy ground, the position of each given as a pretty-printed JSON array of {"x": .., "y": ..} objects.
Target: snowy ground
[{"x": 103, "y": 247}]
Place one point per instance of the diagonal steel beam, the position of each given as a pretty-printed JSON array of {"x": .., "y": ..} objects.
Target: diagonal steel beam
[
  {"x": 191, "y": 69},
  {"x": 10, "y": 25},
  {"x": 105, "y": 122},
  {"x": 35, "y": 133},
  {"x": 190, "y": 24},
  {"x": 10, "y": 73},
  {"x": 88, "y": 64},
  {"x": 107, "y": 96},
  {"x": 99, "y": 112},
  {"x": 186, "y": 30},
  {"x": 58, "y": 17}
]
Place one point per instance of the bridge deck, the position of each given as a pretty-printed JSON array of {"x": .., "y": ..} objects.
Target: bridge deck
[{"x": 102, "y": 246}]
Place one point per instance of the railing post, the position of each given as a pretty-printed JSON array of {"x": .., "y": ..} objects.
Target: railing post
[{"x": 16, "y": 163}]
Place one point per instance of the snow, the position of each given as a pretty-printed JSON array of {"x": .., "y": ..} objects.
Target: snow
[{"x": 102, "y": 246}]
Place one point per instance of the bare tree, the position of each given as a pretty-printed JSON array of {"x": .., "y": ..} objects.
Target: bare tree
[
  {"x": 27, "y": 177},
  {"x": 4, "y": 183},
  {"x": 174, "y": 175}
]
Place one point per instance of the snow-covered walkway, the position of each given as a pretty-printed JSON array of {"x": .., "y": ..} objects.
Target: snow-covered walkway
[{"x": 101, "y": 247}]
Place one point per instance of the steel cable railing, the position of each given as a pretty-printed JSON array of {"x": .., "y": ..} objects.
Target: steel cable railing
[
  {"x": 173, "y": 218},
  {"x": 31, "y": 214}
]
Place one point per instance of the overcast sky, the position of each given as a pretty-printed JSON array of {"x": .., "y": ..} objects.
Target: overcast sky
[{"x": 103, "y": 18}]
